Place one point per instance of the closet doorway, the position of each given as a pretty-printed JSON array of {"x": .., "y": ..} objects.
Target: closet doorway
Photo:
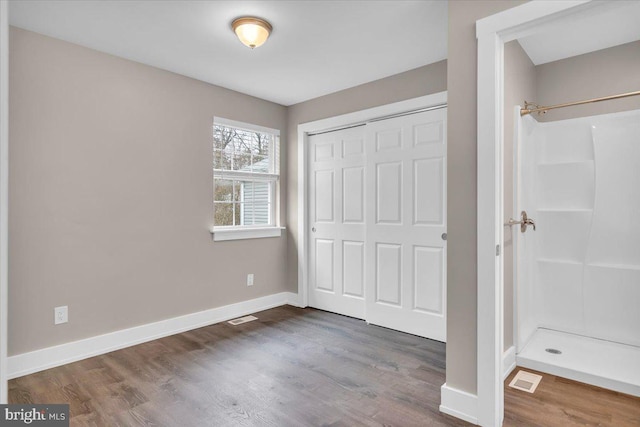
[{"x": 376, "y": 224}]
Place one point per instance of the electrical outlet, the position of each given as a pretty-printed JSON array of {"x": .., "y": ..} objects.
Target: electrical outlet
[
  {"x": 60, "y": 315},
  {"x": 250, "y": 279}
]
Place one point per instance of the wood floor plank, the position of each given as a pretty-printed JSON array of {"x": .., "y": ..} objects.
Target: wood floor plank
[
  {"x": 560, "y": 402},
  {"x": 291, "y": 367}
]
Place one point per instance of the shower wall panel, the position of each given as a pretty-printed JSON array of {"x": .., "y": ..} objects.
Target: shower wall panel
[
  {"x": 528, "y": 304},
  {"x": 579, "y": 272},
  {"x": 612, "y": 272}
]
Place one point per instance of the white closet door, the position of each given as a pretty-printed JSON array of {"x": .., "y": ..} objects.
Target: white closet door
[
  {"x": 337, "y": 222},
  {"x": 406, "y": 221}
]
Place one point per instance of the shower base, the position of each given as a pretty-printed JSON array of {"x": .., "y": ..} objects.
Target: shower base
[{"x": 601, "y": 363}]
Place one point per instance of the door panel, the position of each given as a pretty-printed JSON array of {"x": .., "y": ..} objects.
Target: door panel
[
  {"x": 352, "y": 147},
  {"x": 428, "y": 188},
  {"x": 389, "y": 273},
  {"x": 428, "y": 264},
  {"x": 324, "y": 196},
  {"x": 353, "y": 195},
  {"x": 353, "y": 268},
  {"x": 377, "y": 208},
  {"x": 337, "y": 226},
  {"x": 389, "y": 193},
  {"x": 388, "y": 139},
  {"x": 405, "y": 287},
  {"x": 429, "y": 133},
  {"x": 324, "y": 258}
]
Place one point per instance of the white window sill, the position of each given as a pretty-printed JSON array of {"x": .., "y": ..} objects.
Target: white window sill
[{"x": 223, "y": 234}]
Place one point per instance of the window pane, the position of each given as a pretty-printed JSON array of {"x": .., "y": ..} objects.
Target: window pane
[
  {"x": 242, "y": 161},
  {"x": 222, "y": 137},
  {"x": 223, "y": 214},
  {"x": 222, "y": 159},
  {"x": 261, "y": 164},
  {"x": 243, "y": 141},
  {"x": 261, "y": 143},
  {"x": 243, "y": 202},
  {"x": 223, "y": 191},
  {"x": 256, "y": 197},
  {"x": 236, "y": 214},
  {"x": 254, "y": 191},
  {"x": 243, "y": 150},
  {"x": 261, "y": 213}
]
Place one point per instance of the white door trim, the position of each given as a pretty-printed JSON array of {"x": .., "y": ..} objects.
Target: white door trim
[
  {"x": 492, "y": 33},
  {"x": 4, "y": 194},
  {"x": 304, "y": 130}
]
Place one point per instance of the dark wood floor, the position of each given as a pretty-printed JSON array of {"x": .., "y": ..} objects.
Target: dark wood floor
[
  {"x": 294, "y": 367},
  {"x": 559, "y": 402}
]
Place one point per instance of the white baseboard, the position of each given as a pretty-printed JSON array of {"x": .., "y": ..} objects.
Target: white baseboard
[
  {"x": 39, "y": 360},
  {"x": 508, "y": 361},
  {"x": 294, "y": 300},
  {"x": 459, "y": 404},
  {"x": 463, "y": 405}
]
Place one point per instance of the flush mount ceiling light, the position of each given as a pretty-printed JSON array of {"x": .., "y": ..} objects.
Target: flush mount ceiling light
[{"x": 252, "y": 32}]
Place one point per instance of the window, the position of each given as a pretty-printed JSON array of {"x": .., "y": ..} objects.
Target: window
[{"x": 245, "y": 176}]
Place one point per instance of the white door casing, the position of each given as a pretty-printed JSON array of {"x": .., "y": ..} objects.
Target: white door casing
[{"x": 492, "y": 33}]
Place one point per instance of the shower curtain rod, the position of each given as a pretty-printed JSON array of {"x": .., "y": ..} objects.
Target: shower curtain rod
[{"x": 541, "y": 110}]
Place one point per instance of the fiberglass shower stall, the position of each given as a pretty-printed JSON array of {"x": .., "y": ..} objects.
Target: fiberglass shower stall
[{"x": 577, "y": 276}]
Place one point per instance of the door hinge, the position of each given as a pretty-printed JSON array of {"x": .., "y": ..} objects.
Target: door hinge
[{"x": 497, "y": 250}]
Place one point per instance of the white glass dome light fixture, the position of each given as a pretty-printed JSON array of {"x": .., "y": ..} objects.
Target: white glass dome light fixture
[{"x": 251, "y": 31}]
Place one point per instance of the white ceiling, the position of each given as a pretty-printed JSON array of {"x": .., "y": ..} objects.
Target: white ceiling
[
  {"x": 595, "y": 29},
  {"x": 316, "y": 48}
]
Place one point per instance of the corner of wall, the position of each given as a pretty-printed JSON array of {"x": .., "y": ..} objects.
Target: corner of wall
[{"x": 459, "y": 404}]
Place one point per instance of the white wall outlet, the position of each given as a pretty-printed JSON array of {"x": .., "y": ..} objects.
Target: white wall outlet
[
  {"x": 250, "y": 279},
  {"x": 60, "y": 315}
]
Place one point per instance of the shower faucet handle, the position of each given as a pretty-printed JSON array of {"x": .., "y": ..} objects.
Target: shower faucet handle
[
  {"x": 524, "y": 222},
  {"x": 528, "y": 221}
]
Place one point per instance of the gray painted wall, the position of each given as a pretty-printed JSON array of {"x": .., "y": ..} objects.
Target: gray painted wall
[
  {"x": 111, "y": 192},
  {"x": 519, "y": 85},
  {"x": 462, "y": 189},
  {"x": 111, "y": 195},
  {"x": 411, "y": 84},
  {"x": 602, "y": 73}
]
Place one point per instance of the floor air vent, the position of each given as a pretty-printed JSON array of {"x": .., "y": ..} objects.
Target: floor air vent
[
  {"x": 241, "y": 320},
  {"x": 525, "y": 381}
]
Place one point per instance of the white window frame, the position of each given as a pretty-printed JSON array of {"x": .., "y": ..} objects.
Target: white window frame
[{"x": 272, "y": 229}]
